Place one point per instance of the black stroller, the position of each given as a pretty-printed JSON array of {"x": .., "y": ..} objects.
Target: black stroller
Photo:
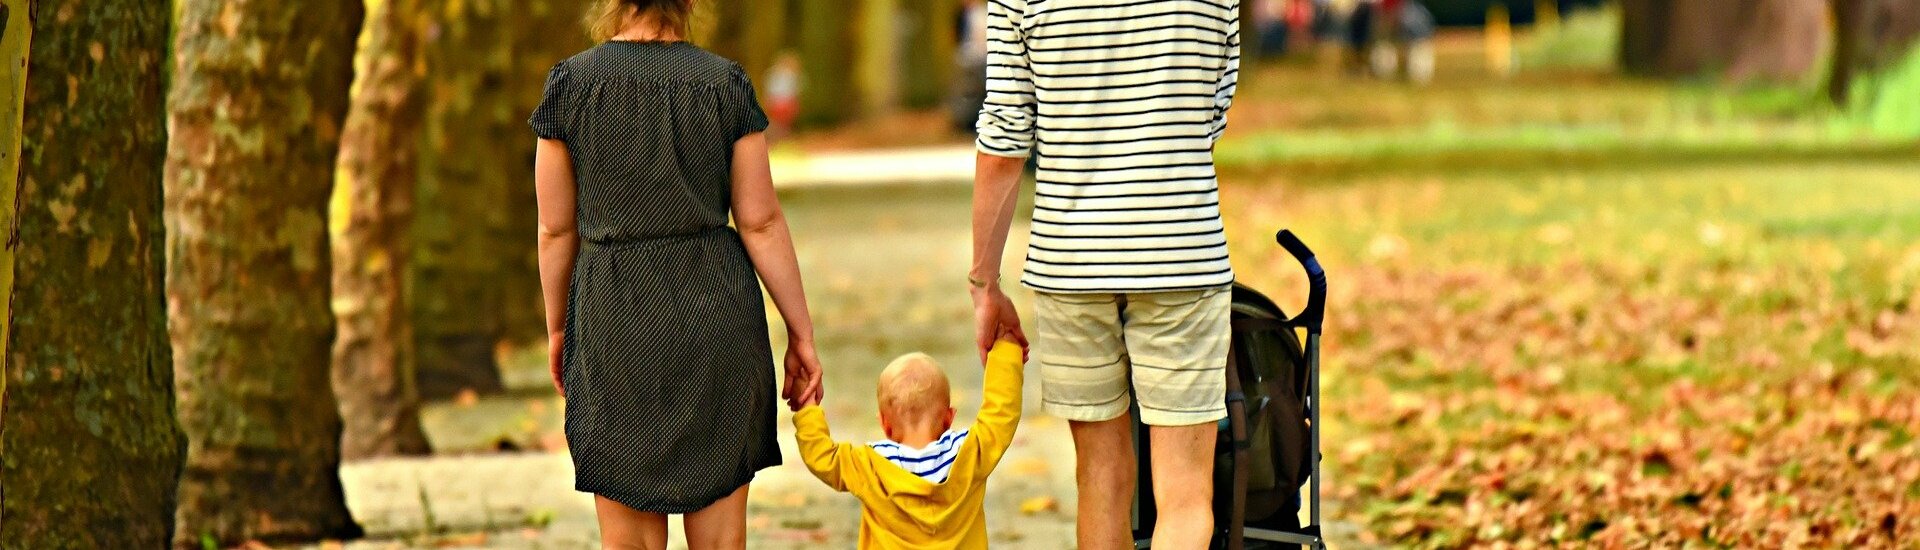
[{"x": 1269, "y": 444}]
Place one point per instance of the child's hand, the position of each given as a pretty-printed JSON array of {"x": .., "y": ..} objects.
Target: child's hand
[{"x": 808, "y": 401}]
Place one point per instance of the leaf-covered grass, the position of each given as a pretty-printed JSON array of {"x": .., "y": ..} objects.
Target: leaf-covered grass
[{"x": 1619, "y": 314}]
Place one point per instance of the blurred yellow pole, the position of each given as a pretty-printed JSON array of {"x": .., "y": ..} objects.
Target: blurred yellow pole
[
  {"x": 877, "y": 60},
  {"x": 1546, "y": 15},
  {"x": 1499, "y": 41}
]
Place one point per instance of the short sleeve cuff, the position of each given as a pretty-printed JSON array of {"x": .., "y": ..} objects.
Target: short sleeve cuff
[
  {"x": 752, "y": 119},
  {"x": 549, "y": 119},
  {"x": 755, "y": 120},
  {"x": 1000, "y": 148}
]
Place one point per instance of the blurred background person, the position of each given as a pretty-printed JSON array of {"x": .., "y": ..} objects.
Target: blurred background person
[{"x": 782, "y": 90}]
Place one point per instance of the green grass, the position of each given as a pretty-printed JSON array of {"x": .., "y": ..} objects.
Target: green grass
[{"x": 1889, "y": 102}]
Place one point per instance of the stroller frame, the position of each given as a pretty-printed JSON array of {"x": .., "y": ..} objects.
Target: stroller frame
[{"x": 1236, "y": 533}]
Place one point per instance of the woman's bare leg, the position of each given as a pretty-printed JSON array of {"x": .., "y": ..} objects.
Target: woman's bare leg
[
  {"x": 624, "y": 528},
  {"x": 720, "y": 526}
]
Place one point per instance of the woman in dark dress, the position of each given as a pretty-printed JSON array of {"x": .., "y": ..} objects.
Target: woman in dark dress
[{"x": 655, "y": 317}]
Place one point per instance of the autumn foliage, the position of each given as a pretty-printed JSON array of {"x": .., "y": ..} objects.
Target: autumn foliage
[{"x": 1660, "y": 357}]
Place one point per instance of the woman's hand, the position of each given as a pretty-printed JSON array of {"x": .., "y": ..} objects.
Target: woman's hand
[
  {"x": 556, "y": 350},
  {"x": 994, "y": 318},
  {"x": 803, "y": 381}
]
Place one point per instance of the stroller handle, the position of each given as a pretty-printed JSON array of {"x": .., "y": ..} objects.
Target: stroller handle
[{"x": 1314, "y": 314}]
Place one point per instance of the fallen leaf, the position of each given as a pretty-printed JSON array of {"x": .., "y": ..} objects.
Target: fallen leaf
[{"x": 1039, "y": 504}]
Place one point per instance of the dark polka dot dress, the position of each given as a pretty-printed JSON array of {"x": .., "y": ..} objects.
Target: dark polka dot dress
[{"x": 667, "y": 367}]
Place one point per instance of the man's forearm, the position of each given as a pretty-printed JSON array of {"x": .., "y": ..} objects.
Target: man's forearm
[{"x": 996, "y": 188}]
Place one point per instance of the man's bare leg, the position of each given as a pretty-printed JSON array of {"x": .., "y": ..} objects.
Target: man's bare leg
[
  {"x": 1182, "y": 485},
  {"x": 1105, "y": 473}
]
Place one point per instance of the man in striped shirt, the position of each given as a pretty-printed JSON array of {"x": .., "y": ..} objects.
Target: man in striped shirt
[{"x": 1121, "y": 102}]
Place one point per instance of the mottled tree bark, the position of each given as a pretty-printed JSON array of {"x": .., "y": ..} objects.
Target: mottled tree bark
[
  {"x": 373, "y": 370},
  {"x": 463, "y": 198},
  {"x": 259, "y": 94},
  {"x": 829, "y": 43},
  {"x": 88, "y": 441},
  {"x": 931, "y": 45},
  {"x": 16, "y": 37}
]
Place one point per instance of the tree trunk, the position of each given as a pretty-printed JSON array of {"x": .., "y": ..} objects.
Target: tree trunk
[
  {"x": 929, "y": 57},
  {"x": 1849, "y": 32},
  {"x": 829, "y": 39},
  {"x": 89, "y": 448},
  {"x": 1680, "y": 38},
  {"x": 1781, "y": 42},
  {"x": 373, "y": 370},
  {"x": 16, "y": 37},
  {"x": 547, "y": 32},
  {"x": 1703, "y": 36},
  {"x": 1671, "y": 38},
  {"x": 463, "y": 198},
  {"x": 258, "y": 100},
  {"x": 1643, "y": 35}
]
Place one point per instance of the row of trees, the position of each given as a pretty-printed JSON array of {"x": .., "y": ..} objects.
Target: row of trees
[
  {"x": 1767, "y": 40},
  {"x": 249, "y": 236}
]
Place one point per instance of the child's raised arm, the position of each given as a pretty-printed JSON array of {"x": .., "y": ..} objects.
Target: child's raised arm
[
  {"x": 1000, "y": 404},
  {"x": 835, "y": 463}
]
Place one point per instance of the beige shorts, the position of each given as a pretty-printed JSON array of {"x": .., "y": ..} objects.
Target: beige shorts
[{"x": 1166, "y": 349}]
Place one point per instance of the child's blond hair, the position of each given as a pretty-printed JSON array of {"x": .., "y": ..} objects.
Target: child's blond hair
[{"x": 912, "y": 389}]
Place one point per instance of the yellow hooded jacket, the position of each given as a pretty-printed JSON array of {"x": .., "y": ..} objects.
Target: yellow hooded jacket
[{"x": 899, "y": 510}]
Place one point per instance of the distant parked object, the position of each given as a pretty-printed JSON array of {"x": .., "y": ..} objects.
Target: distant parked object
[{"x": 1473, "y": 13}]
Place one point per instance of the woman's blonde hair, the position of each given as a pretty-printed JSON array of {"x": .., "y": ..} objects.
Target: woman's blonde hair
[{"x": 670, "y": 16}]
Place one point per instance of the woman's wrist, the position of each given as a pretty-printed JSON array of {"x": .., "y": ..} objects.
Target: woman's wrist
[{"x": 800, "y": 336}]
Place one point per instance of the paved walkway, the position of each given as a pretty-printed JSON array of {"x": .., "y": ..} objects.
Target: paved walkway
[
  {"x": 526, "y": 500},
  {"x": 938, "y": 164}
]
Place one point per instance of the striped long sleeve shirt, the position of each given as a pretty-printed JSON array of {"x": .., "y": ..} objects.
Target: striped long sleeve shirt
[{"x": 1121, "y": 102}]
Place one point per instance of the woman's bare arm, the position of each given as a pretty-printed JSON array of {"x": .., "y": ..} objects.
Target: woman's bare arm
[
  {"x": 559, "y": 241},
  {"x": 763, "y": 227}
]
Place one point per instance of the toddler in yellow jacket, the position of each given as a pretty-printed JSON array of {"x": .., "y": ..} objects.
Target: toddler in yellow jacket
[{"x": 923, "y": 487}]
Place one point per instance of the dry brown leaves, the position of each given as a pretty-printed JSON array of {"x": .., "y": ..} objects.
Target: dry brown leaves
[{"x": 1587, "y": 404}]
